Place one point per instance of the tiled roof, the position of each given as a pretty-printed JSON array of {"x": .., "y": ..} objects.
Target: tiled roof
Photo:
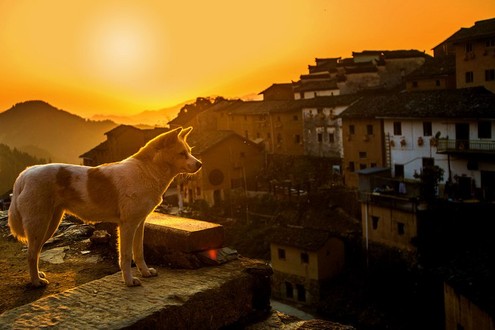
[
  {"x": 206, "y": 140},
  {"x": 302, "y": 238},
  {"x": 283, "y": 86},
  {"x": 101, "y": 147},
  {"x": 475, "y": 102},
  {"x": 393, "y": 54},
  {"x": 264, "y": 107},
  {"x": 120, "y": 129},
  {"x": 480, "y": 29},
  {"x": 435, "y": 66},
  {"x": 316, "y": 85}
]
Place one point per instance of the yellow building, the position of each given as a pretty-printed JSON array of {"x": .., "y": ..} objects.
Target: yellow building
[
  {"x": 229, "y": 162},
  {"x": 475, "y": 55},
  {"x": 463, "y": 313},
  {"x": 122, "y": 142},
  {"x": 303, "y": 260}
]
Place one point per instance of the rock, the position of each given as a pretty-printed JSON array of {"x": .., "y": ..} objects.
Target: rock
[
  {"x": 100, "y": 237},
  {"x": 55, "y": 255}
]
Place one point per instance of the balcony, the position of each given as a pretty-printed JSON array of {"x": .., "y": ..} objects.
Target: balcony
[{"x": 465, "y": 147}]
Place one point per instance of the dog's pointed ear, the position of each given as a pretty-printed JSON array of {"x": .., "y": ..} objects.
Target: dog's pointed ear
[
  {"x": 185, "y": 132},
  {"x": 167, "y": 138}
]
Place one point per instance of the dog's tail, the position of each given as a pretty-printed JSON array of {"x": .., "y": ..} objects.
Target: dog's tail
[{"x": 15, "y": 218}]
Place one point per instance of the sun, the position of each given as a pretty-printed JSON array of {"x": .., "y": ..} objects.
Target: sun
[{"x": 120, "y": 48}]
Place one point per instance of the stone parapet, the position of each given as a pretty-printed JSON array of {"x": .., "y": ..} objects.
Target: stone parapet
[{"x": 204, "y": 298}]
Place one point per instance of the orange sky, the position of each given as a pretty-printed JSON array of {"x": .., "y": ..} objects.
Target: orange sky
[{"x": 122, "y": 57}]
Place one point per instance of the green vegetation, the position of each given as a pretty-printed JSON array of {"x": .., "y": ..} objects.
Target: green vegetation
[{"x": 13, "y": 162}]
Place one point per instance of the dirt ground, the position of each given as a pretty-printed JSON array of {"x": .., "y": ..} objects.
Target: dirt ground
[{"x": 84, "y": 261}]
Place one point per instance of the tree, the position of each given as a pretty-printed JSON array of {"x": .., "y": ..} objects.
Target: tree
[{"x": 430, "y": 177}]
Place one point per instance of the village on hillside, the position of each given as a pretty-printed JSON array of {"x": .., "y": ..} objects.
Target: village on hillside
[{"x": 387, "y": 159}]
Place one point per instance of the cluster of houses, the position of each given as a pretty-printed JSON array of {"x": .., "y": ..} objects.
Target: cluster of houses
[{"x": 381, "y": 117}]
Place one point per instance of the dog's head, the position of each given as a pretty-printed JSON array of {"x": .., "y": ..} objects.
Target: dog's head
[{"x": 171, "y": 149}]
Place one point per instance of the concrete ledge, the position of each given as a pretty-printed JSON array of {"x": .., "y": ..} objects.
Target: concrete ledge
[{"x": 205, "y": 298}]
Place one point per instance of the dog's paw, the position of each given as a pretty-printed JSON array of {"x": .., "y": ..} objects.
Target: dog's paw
[
  {"x": 134, "y": 282},
  {"x": 150, "y": 273},
  {"x": 39, "y": 283},
  {"x": 41, "y": 275}
]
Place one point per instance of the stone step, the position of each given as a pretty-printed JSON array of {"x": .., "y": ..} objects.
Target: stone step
[{"x": 204, "y": 298}]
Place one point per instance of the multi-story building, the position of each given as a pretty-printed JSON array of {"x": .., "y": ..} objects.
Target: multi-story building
[
  {"x": 303, "y": 260},
  {"x": 474, "y": 49},
  {"x": 229, "y": 162},
  {"x": 122, "y": 142}
]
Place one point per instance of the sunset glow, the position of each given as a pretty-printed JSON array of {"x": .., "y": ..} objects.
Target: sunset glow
[{"x": 123, "y": 57}]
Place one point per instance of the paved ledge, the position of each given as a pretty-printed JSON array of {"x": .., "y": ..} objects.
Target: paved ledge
[{"x": 204, "y": 298}]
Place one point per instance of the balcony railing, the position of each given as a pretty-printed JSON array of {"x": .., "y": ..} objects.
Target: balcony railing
[{"x": 465, "y": 146}]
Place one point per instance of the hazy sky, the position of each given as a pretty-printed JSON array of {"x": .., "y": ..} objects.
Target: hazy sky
[{"x": 123, "y": 57}]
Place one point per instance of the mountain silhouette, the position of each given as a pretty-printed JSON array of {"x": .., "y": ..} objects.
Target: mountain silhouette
[
  {"x": 149, "y": 118},
  {"x": 43, "y": 131}
]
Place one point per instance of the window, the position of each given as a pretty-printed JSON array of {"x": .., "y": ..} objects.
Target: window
[
  {"x": 469, "y": 77},
  {"x": 397, "y": 128},
  {"x": 490, "y": 75},
  {"x": 374, "y": 222},
  {"x": 281, "y": 254},
  {"x": 490, "y": 43},
  {"x": 427, "y": 128},
  {"x": 484, "y": 129},
  {"x": 304, "y": 258},
  {"x": 399, "y": 171},
  {"x": 362, "y": 166},
  {"x": 373, "y": 164},
  {"x": 352, "y": 129},
  {"x": 198, "y": 191},
  {"x": 331, "y": 137},
  {"x": 297, "y": 139},
  {"x": 320, "y": 137},
  {"x": 400, "y": 228},
  {"x": 437, "y": 83},
  {"x": 414, "y": 84},
  {"x": 369, "y": 129},
  {"x": 295, "y": 117},
  {"x": 363, "y": 154}
]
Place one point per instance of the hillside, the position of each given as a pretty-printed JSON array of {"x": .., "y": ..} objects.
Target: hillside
[
  {"x": 12, "y": 162},
  {"x": 43, "y": 131}
]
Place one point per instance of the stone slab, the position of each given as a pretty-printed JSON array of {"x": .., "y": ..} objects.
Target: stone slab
[
  {"x": 165, "y": 232},
  {"x": 205, "y": 298}
]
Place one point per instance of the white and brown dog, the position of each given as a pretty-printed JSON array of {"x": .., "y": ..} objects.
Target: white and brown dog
[{"x": 124, "y": 192}]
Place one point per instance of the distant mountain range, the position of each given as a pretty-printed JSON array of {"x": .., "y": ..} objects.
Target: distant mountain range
[
  {"x": 149, "y": 118},
  {"x": 43, "y": 131}
]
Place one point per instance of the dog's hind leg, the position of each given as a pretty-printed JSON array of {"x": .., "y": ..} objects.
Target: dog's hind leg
[
  {"x": 138, "y": 253},
  {"x": 35, "y": 244},
  {"x": 126, "y": 235}
]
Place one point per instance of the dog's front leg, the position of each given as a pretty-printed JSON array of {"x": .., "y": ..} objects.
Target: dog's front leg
[
  {"x": 137, "y": 249},
  {"x": 126, "y": 235}
]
